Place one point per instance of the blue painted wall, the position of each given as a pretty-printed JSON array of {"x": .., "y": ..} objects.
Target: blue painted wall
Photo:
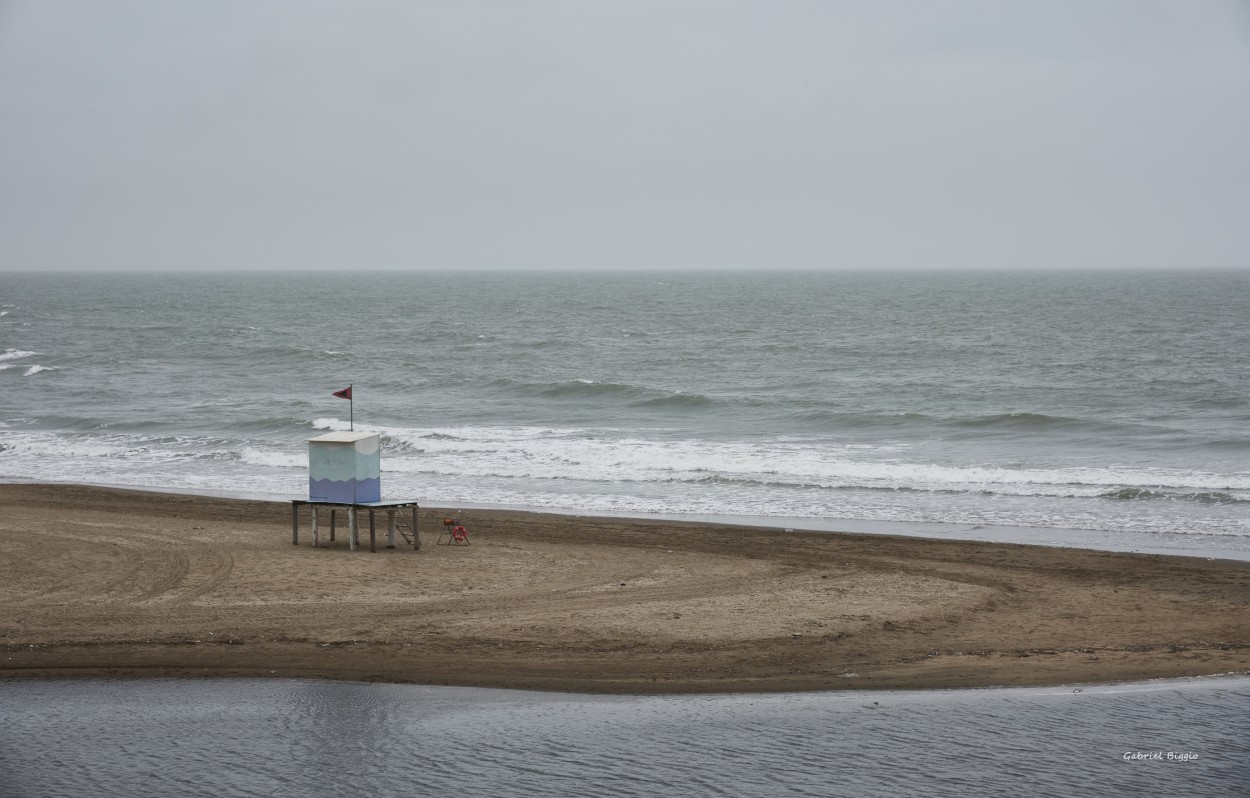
[{"x": 345, "y": 467}]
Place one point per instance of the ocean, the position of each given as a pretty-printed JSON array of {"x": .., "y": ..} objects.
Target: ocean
[{"x": 1106, "y": 410}]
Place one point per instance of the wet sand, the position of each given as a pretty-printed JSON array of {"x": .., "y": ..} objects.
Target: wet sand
[{"x": 103, "y": 582}]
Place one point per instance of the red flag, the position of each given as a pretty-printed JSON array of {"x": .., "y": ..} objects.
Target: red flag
[{"x": 346, "y": 393}]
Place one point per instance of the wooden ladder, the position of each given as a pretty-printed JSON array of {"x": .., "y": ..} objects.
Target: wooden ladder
[{"x": 404, "y": 527}]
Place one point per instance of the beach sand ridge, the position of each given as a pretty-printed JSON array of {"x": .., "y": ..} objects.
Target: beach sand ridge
[{"x": 98, "y": 581}]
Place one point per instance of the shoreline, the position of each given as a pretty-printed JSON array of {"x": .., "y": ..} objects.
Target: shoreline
[
  {"x": 1055, "y": 537},
  {"x": 120, "y": 582}
]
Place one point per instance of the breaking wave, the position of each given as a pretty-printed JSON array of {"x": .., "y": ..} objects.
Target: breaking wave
[{"x": 1146, "y": 494}]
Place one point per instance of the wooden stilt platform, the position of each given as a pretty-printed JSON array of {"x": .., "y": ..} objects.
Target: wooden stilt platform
[{"x": 396, "y": 522}]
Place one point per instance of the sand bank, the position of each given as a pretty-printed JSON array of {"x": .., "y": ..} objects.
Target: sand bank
[{"x": 107, "y": 582}]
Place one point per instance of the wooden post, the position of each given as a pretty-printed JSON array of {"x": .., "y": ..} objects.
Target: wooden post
[
  {"x": 416, "y": 531},
  {"x": 332, "y": 512},
  {"x": 313, "y": 507},
  {"x": 353, "y": 533},
  {"x": 294, "y": 524},
  {"x": 373, "y": 538},
  {"x": 390, "y": 528}
]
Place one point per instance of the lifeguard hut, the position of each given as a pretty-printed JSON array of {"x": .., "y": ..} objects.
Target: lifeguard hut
[
  {"x": 345, "y": 467},
  {"x": 345, "y": 472}
]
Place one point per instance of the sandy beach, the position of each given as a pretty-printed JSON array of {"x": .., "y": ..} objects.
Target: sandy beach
[{"x": 103, "y": 582}]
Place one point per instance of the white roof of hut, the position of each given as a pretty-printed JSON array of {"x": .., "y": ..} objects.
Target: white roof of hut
[{"x": 342, "y": 437}]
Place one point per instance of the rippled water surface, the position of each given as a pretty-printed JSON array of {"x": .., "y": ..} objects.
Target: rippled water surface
[{"x": 224, "y": 738}]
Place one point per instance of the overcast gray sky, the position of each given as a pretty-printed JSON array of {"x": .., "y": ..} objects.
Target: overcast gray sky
[{"x": 571, "y": 134}]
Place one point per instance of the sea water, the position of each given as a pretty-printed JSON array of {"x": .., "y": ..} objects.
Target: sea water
[
  {"x": 1106, "y": 409},
  {"x": 306, "y": 739}
]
